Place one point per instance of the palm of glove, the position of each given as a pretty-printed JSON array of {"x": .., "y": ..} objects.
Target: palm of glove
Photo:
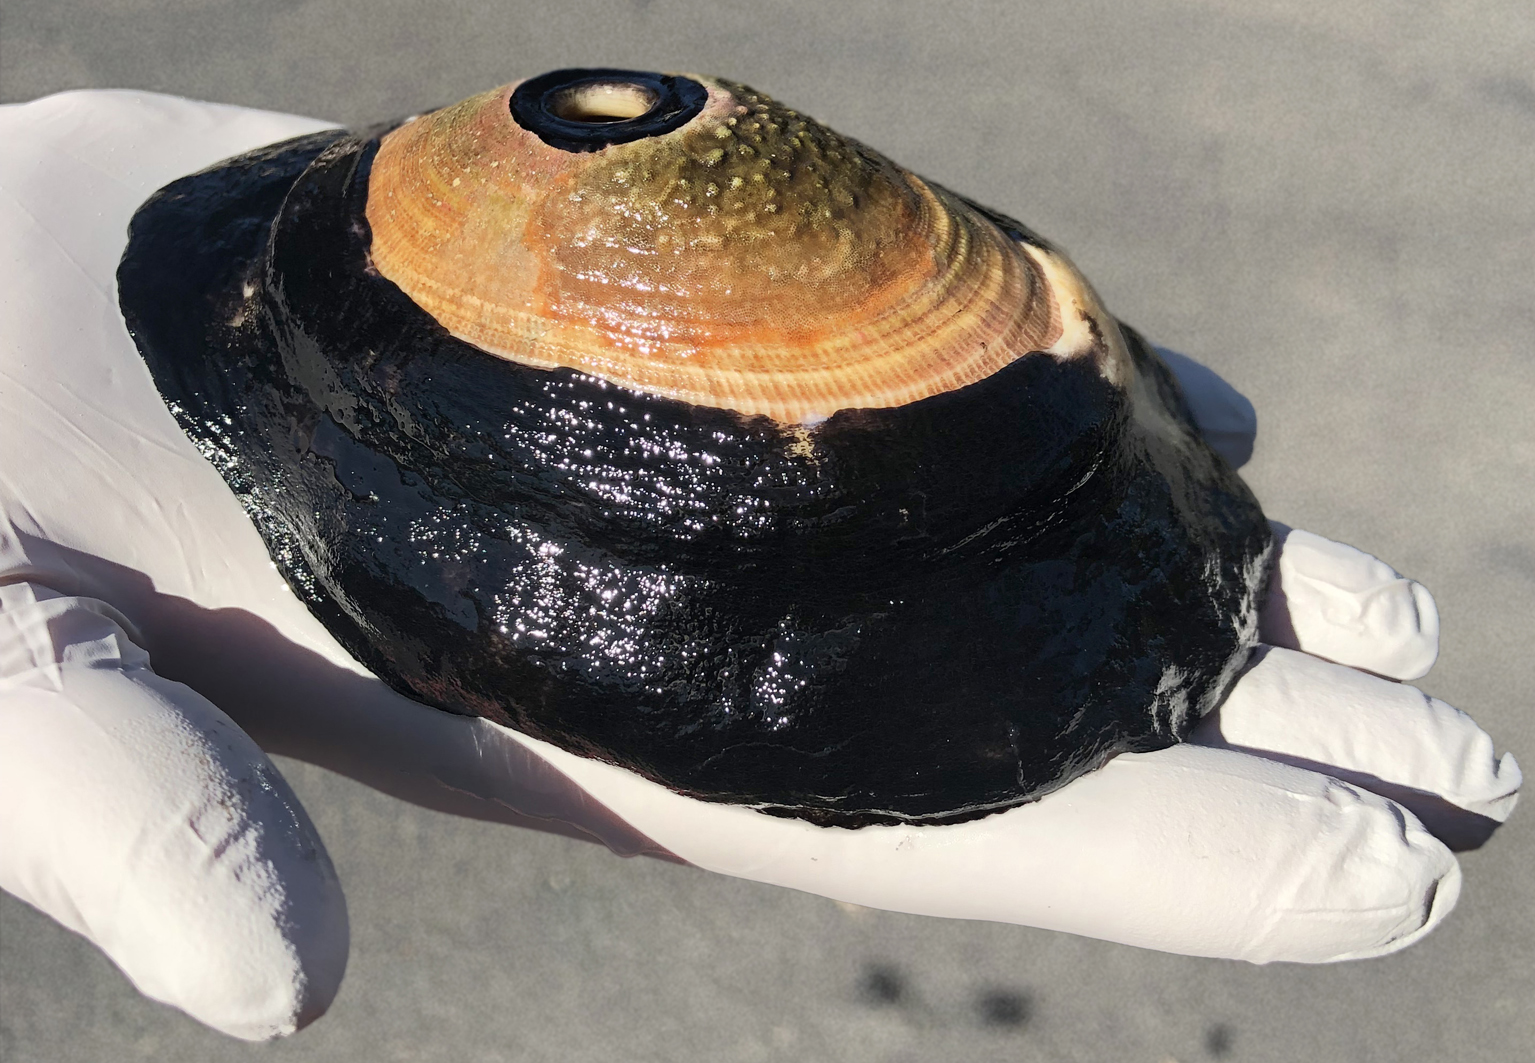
[{"x": 139, "y": 814}]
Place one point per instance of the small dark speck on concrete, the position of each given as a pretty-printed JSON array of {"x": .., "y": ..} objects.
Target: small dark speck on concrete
[
  {"x": 1511, "y": 92},
  {"x": 883, "y": 986},
  {"x": 1219, "y": 1039},
  {"x": 1004, "y": 1009}
]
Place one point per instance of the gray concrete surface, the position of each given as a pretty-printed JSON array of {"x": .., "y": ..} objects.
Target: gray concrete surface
[{"x": 1330, "y": 204}]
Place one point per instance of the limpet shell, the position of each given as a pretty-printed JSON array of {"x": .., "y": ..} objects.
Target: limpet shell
[{"x": 861, "y": 509}]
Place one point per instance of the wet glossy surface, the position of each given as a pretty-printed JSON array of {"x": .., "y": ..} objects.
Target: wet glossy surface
[{"x": 920, "y": 613}]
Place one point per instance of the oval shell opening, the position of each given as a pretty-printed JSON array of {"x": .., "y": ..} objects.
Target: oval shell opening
[
  {"x": 587, "y": 110},
  {"x": 604, "y": 101}
]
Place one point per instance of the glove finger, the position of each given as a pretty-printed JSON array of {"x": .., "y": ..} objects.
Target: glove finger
[
  {"x": 1222, "y": 414},
  {"x": 1199, "y": 851},
  {"x": 1340, "y": 603},
  {"x": 1387, "y": 737},
  {"x": 137, "y": 814}
]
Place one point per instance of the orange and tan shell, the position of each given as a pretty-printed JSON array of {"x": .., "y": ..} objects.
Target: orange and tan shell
[{"x": 751, "y": 259}]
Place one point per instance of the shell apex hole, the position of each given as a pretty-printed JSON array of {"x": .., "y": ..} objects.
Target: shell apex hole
[{"x": 600, "y": 102}]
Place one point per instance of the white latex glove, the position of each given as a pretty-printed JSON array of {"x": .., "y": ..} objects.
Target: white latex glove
[{"x": 135, "y": 812}]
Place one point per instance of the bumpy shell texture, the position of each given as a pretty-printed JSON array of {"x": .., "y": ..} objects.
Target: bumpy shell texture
[
  {"x": 752, "y": 260},
  {"x": 657, "y": 421}
]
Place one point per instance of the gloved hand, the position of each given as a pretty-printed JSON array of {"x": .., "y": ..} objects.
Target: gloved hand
[{"x": 1306, "y": 821}]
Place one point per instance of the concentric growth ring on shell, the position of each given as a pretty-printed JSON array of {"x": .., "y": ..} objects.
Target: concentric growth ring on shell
[
  {"x": 689, "y": 237},
  {"x": 589, "y": 109}
]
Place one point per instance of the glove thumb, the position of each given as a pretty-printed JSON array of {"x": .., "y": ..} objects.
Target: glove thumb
[{"x": 137, "y": 814}]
